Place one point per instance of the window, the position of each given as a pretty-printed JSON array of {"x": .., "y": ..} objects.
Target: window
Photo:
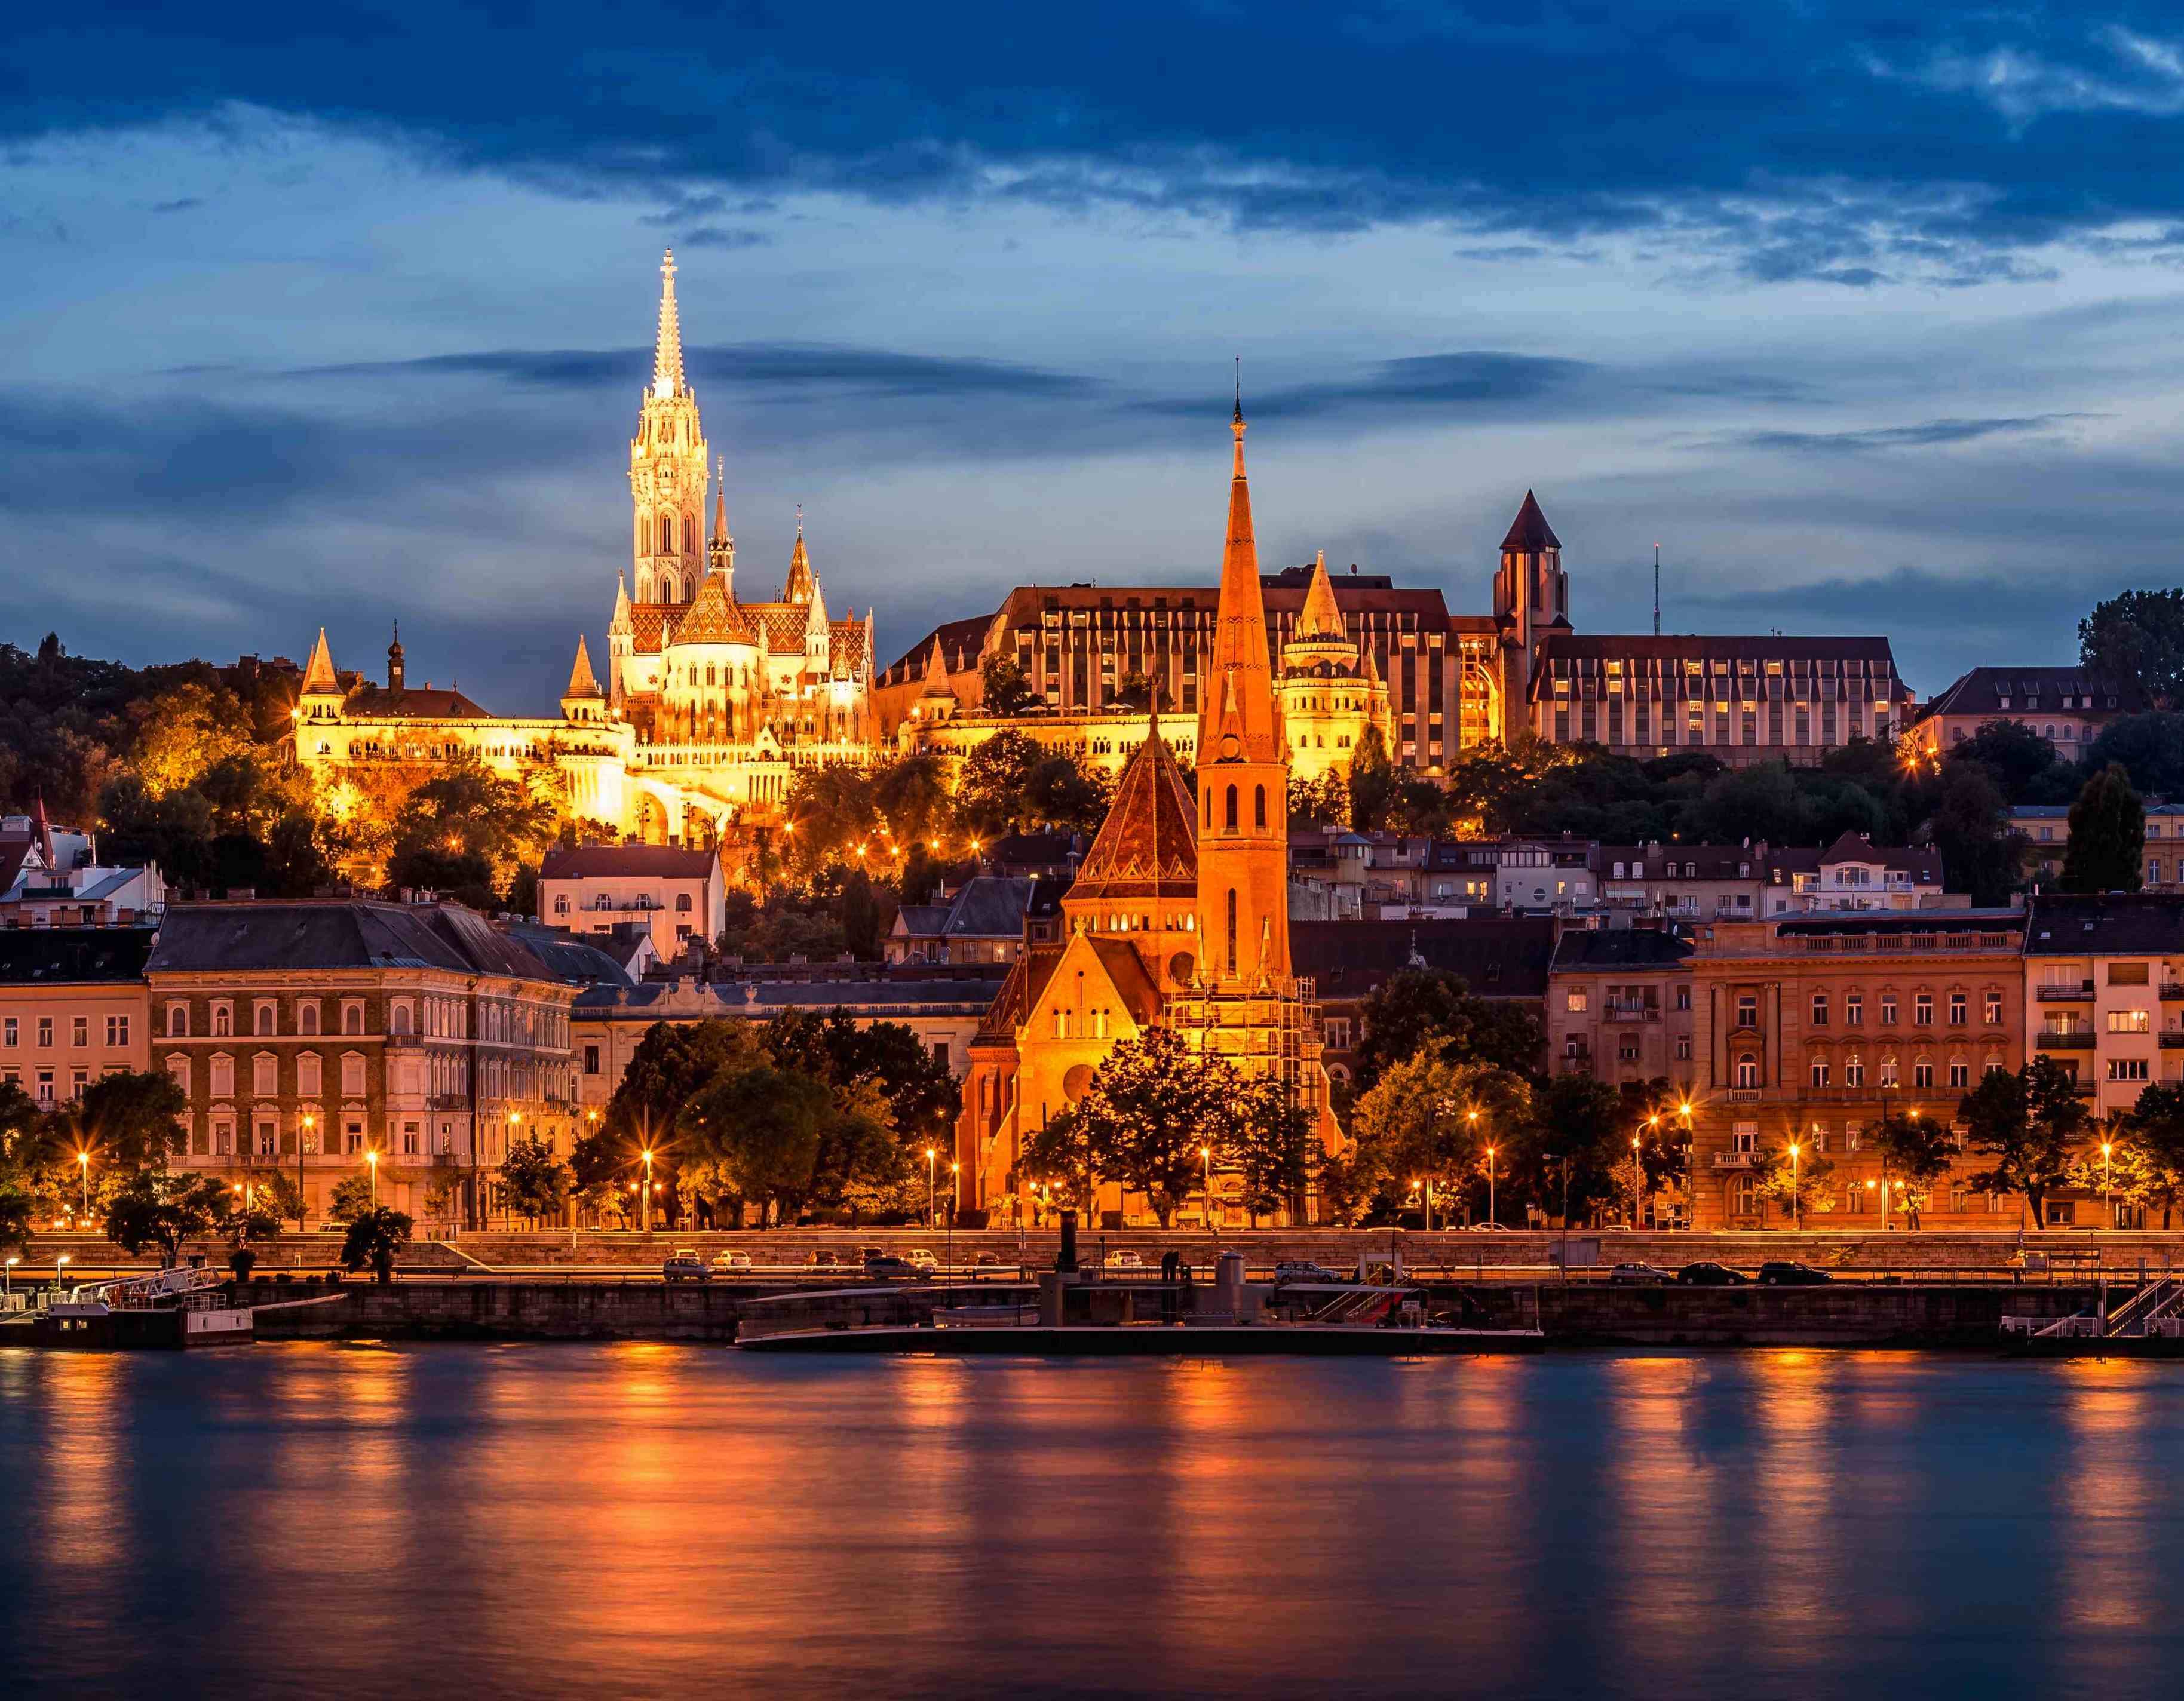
[
  {"x": 1888, "y": 1009},
  {"x": 1683, "y": 1047},
  {"x": 351, "y": 1076},
  {"x": 1960, "y": 1073},
  {"x": 1994, "y": 1009},
  {"x": 1230, "y": 808},
  {"x": 1748, "y": 1010},
  {"x": 178, "y": 1067},
  {"x": 2129, "y": 1022},
  {"x": 591, "y": 1059},
  {"x": 265, "y": 1017},
  {"x": 265, "y": 1075},
  {"x": 1258, "y": 806},
  {"x": 1855, "y": 1010},
  {"x": 1922, "y": 1073},
  {"x": 1819, "y": 1009},
  {"x": 1683, "y": 997},
  {"x": 1577, "y": 1002},
  {"x": 223, "y": 1075},
  {"x": 1819, "y": 1072},
  {"x": 117, "y": 1030},
  {"x": 1853, "y": 1070},
  {"x": 45, "y": 1094},
  {"x": 310, "y": 1075},
  {"x": 1888, "y": 1072},
  {"x": 178, "y": 1022},
  {"x": 79, "y": 1032},
  {"x": 2127, "y": 974},
  {"x": 307, "y": 1016},
  {"x": 560, "y": 903},
  {"x": 1747, "y": 1070},
  {"x": 265, "y": 1136},
  {"x": 223, "y": 1019},
  {"x": 1232, "y": 916},
  {"x": 1957, "y": 1014},
  {"x": 398, "y": 1019},
  {"x": 1745, "y": 1137},
  {"x": 352, "y": 1017},
  {"x": 1922, "y": 1010},
  {"x": 2127, "y": 1069}
]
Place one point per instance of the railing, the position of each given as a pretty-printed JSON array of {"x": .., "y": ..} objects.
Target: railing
[
  {"x": 1629, "y": 1013},
  {"x": 1732, "y": 1161},
  {"x": 2055, "y": 992},
  {"x": 1744, "y": 1095},
  {"x": 2172, "y": 991},
  {"x": 2075, "y": 1040},
  {"x": 2171, "y": 1039}
]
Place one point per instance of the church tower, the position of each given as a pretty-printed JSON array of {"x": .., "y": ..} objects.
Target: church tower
[
  {"x": 1531, "y": 597},
  {"x": 1243, "y": 775},
  {"x": 667, "y": 469}
]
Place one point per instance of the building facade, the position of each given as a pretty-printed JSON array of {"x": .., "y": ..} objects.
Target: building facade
[
  {"x": 2047, "y": 830},
  {"x": 1620, "y": 1006},
  {"x": 2103, "y": 980},
  {"x": 72, "y": 1008},
  {"x": 711, "y": 703},
  {"x": 327, "y": 1039},
  {"x": 679, "y": 895},
  {"x": 1810, "y": 1030},
  {"x": 2067, "y": 706}
]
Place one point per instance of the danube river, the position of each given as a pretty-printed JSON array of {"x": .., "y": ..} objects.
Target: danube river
[{"x": 647, "y": 1519}]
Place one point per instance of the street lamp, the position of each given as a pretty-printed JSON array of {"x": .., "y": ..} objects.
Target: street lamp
[
  {"x": 1637, "y": 1181},
  {"x": 644, "y": 1219},
  {"x": 1797, "y": 1215},
  {"x": 507, "y": 1205},
  {"x": 2108, "y": 1204},
  {"x": 1490, "y": 1214},
  {"x": 310, "y": 1122},
  {"x": 8, "y": 1275},
  {"x": 955, "y": 1209},
  {"x": 57, "y": 1263},
  {"x": 371, "y": 1161},
  {"x": 83, "y": 1163},
  {"x": 1205, "y": 1157},
  {"x": 929, "y": 1187}
]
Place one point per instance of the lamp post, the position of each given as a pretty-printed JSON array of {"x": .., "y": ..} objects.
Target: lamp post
[
  {"x": 371, "y": 1161},
  {"x": 507, "y": 1205},
  {"x": 644, "y": 1217},
  {"x": 8, "y": 1275},
  {"x": 1205, "y": 1157},
  {"x": 1637, "y": 1181},
  {"x": 83, "y": 1164},
  {"x": 955, "y": 1207},
  {"x": 310, "y": 1122},
  {"x": 1797, "y": 1213},
  {"x": 929, "y": 1174},
  {"x": 1490, "y": 1214},
  {"x": 2108, "y": 1204},
  {"x": 57, "y": 1263}
]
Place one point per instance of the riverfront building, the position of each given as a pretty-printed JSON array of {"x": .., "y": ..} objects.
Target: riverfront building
[
  {"x": 72, "y": 1008},
  {"x": 2105, "y": 993}
]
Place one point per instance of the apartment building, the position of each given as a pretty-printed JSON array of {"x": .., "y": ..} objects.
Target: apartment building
[
  {"x": 1810, "y": 1029},
  {"x": 325, "y": 1037},
  {"x": 680, "y": 895},
  {"x": 982, "y": 921},
  {"x": 1620, "y": 1006},
  {"x": 2047, "y": 830},
  {"x": 2067, "y": 706},
  {"x": 72, "y": 1008},
  {"x": 2104, "y": 991}
]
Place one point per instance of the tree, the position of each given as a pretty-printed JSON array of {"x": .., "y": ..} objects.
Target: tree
[
  {"x": 2138, "y": 636},
  {"x": 990, "y": 784},
  {"x": 132, "y": 1121},
  {"x": 1971, "y": 827},
  {"x": 1916, "y": 1150},
  {"x": 533, "y": 1180},
  {"x": 2155, "y": 1127},
  {"x": 596, "y": 1163},
  {"x": 1797, "y": 1185},
  {"x": 374, "y": 1237},
  {"x": 1579, "y": 1133},
  {"x": 921, "y": 1091},
  {"x": 1372, "y": 782},
  {"x": 351, "y": 1199},
  {"x": 153, "y": 1208},
  {"x": 1321, "y": 802},
  {"x": 1059, "y": 1152},
  {"x": 2010, "y": 751},
  {"x": 2025, "y": 1122},
  {"x": 2151, "y": 748},
  {"x": 2108, "y": 836},
  {"x": 1063, "y": 793},
  {"x": 911, "y": 795},
  {"x": 1270, "y": 1146},
  {"x": 1418, "y": 1008},
  {"x": 1150, "y": 1107},
  {"x": 762, "y": 1126},
  {"x": 466, "y": 831},
  {"x": 1429, "y": 1121},
  {"x": 268, "y": 1200},
  {"x": 1133, "y": 691},
  {"x": 1008, "y": 687}
]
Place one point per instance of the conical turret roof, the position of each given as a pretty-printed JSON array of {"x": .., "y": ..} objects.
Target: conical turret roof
[
  {"x": 319, "y": 674},
  {"x": 1147, "y": 845},
  {"x": 1530, "y": 533},
  {"x": 798, "y": 587},
  {"x": 937, "y": 682},
  {"x": 581, "y": 681},
  {"x": 1320, "y": 618}
]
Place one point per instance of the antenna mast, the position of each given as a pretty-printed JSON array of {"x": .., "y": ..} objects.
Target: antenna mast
[{"x": 1657, "y": 590}]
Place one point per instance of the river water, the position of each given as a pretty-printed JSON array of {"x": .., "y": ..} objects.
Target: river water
[{"x": 651, "y": 1520}]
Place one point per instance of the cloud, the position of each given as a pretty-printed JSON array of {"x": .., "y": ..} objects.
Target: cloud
[{"x": 1928, "y": 434}]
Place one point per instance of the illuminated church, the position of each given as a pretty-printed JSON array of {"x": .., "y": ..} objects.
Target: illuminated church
[
  {"x": 1179, "y": 916},
  {"x": 710, "y": 703}
]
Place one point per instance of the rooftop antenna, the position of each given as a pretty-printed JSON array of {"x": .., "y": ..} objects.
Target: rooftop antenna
[{"x": 1657, "y": 590}]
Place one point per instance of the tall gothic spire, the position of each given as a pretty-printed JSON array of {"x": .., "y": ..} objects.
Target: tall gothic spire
[
  {"x": 1240, "y": 666},
  {"x": 721, "y": 539},
  {"x": 800, "y": 587},
  {"x": 667, "y": 354}
]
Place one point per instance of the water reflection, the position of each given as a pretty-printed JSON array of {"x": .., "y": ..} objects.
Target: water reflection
[{"x": 661, "y": 1519}]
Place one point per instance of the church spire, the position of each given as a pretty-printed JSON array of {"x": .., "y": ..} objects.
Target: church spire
[
  {"x": 667, "y": 352},
  {"x": 799, "y": 589},
  {"x": 581, "y": 681},
  {"x": 318, "y": 673},
  {"x": 1321, "y": 618},
  {"x": 1240, "y": 664}
]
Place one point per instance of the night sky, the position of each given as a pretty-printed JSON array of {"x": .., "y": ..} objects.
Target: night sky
[{"x": 341, "y": 313}]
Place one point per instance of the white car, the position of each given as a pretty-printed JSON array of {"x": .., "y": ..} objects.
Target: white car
[
  {"x": 923, "y": 1259},
  {"x": 1125, "y": 1260},
  {"x": 731, "y": 1260}
]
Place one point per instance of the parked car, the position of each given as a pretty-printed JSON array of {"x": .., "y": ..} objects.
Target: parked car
[
  {"x": 923, "y": 1259},
  {"x": 1708, "y": 1274},
  {"x": 1302, "y": 1269},
  {"x": 1786, "y": 1273},
  {"x": 869, "y": 1253},
  {"x": 988, "y": 1261},
  {"x": 886, "y": 1267},
  {"x": 824, "y": 1259},
  {"x": 1125, "y": 1260},
  {"x": 1639, "y": 1275},
  {"x": 731, "y": 1260},
  {"x": 683, "y": 1264},
  {"x": 1490, "y": 1228}
]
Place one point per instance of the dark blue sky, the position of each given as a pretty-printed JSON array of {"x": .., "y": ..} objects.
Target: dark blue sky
[{"x": 340, "y": 314}]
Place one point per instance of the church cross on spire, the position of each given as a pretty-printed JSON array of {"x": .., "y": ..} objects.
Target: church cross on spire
[{"x": 667, "y": 354}]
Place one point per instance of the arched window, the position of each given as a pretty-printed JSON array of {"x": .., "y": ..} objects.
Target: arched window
[
  {"x": 1232, "y": 809},
  {"x": 1744, "y": 1197},
  {"x": 400, "y": 1024},
  {"x": 1747, "y": 1070},
  {"x": 1258, "y": 806},
  {"x": 1231, "y": 906},
  {"x": 1209, "y": 809},
  {"x": 689, "y": 534},
  {"x": 307, "y": 1018},
  {"x": 666, "y": 534}
]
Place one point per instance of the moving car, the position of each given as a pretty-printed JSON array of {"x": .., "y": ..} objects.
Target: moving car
[
  {"x": 731, "y": 1260},
  {"x": 1785, "y": 1273},
  {"x": 1639, "y": 1275},
  {"x": 1708, "y": 1274},
  {"x": 888, "y": 1267},
  {"x": 683, "y": 1264}
]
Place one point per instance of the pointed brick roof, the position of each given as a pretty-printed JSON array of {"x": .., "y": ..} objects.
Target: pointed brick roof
[
  {"x": 1238, "y": 662},
  {"x": 799, "y": 586},
  {"x": 320, "y": 674},
  {"x": 1147, "y": 845},
  {"x": 1530, "y": 533},
  {"x": 937, "y": 682},
  {"x": 711, "y": 617},
  {"x": 581, "y": 681}
]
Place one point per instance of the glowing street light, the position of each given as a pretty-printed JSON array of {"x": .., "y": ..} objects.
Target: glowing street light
[
  {"x": 2108, "y": 1204},
  {"x": 929, "y": 1173},
  {"x": 83, "y": 1163},
  {"x": 371, "y": 1162},
  {"x": 1490, "y": 1216},
  {"x": 57, "y": 1263},
  {"x": 645, "y": 1221},
  {"x": 310, "y": 1122},
  {"x": 8, "y": 1275},
  {"x": 1797, "y": 1213}
]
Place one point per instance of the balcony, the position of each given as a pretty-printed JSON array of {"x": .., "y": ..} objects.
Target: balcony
[
  {"x": 1629, "y": 1013},
  {"x": 1732, "y": 1161},
  {"x": 2172, "y": 1039},
  {"x": 2079, "y": 1039},
  {"x": 2058, "y": 990},
  {"x": 1744, "y": 1095},
  {"x": 2172, "y": 991}
]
